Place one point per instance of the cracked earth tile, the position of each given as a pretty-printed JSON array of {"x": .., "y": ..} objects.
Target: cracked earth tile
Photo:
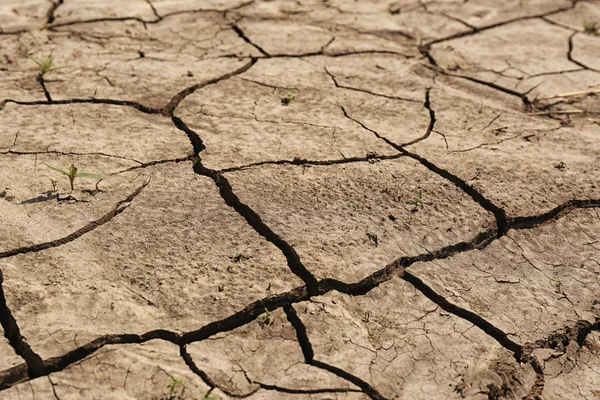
[
  {"x": 291, "y": 38},
  {"x": 20, "y": 85},
  {"x": 242, "y": 122},
  {"x": 73, "y": 11},
  {"x": 201, "y": 35},
  {"x": 164, "y": 7},
  {"x": 366, "y": 43},
  {"x": 398, "y": 120},
  {"x": 531, "y": 282},
  {"x": 574, "y": 374},
  {"x": 346, "y": 221},
  {"x": 33, "y": 213},
  {"x": 501, "y": 56},
  {"x": 37, "y": 389},
  {"x": 293, "y": 73},
  {"x": 586, "y": 50},
  {"x": 482, "y": 13},
  {"x": 542, "y": 87},
  {"x": 282, "y": 9},
  {"x": 386, "y": 75},
  {"x": 403, "y": 345},
  {"x": 121, "y": 371},
  {"x": 15, "y": 80},
  {"x": 484, "y": 139},
  {"x": 102, "y": 129},
  {"x": 573, "y": 18},
  {"x": 396, "y": 21},
  {"x": 176, "y": 258},
  {"x": 269, "y": 354},
  {"x": 114, "y": 71},
  {"x": 19, "y": 15}
]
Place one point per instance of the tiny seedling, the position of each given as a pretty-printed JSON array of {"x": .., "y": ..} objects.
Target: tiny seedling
[
  {"x": 289, "y": 97},
  {"x": 266, "y": 317},
  {"x": 54, "y": 182},
  {"x": 209, "y": 398},
  {"x": 591, "y": 28},
  {"x": 418, "y": 200},
  {"x": 373, "y": 238},
  {"x": 176, "y": 388},
  {"x": 46, "y": 66},
  {"x": 73, "y": 173}
]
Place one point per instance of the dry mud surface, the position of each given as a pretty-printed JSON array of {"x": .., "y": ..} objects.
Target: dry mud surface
[{"x": 302, "y": 199}]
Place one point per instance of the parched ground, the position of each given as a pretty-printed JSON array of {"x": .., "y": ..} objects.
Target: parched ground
[{"x": 302, "y": 199}]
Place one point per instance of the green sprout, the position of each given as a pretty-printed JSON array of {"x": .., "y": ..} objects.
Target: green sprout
[
  {"x": 46, "y": 66},
  {"x": 266, "y": 317},
  {"x": 591, "y": 28},
  {"x": 54, "y": 182},
  {"x": 73, "y": 173},
  {"x": 209, "y": 398},
  {"x": 174, "y": 386},
  {"x": 373, "y": 237},
  {"x": 418, "y": 200},
  {"x": 289, "y": 96}
]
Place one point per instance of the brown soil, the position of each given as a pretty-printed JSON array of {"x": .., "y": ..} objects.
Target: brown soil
[{"x": 301, "y": 199}]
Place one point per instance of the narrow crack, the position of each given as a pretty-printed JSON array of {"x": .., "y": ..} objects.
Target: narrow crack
[
  {"x": 40, "y": 80},
  {"x": 52, "y": 10},
  {"x": 479, "y": 198},
  {"x": 116, "y": 210},
  {"x": 189, "y": 361},
  {"x": 554, "y": 214},
  {"x": 178, "y": 98},
  {"x": 155, "y": 162},
  {"x": 156, "y": 14},
  {"x": 370, "y": 158},
  {"x": 522, "y": 96},
  {"x": 309, "y": 356},
  {"x": 570, "y": 54},
  {"x": 431, "y": 124},
  {"x": 245, "y": 38},
  {"x": 126, "y": 103},
  {"x": 35, "y": 364},
  {"x": 69, "y": 153},
  {"x": 338, "y": 85},
  {"x": 281, "y": 389},
  {"x": 463, "y": 313}
]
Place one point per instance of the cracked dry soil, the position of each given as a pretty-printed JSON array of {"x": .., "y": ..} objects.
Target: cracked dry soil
[{"x": 303, "y": 199}]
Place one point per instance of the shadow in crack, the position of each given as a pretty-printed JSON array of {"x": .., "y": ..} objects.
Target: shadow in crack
[{"x": 39, "y": 199}]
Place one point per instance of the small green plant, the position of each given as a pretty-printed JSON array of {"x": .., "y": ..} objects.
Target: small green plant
[
  {"x": 591, "y": 28},
  {"x": 373, "y": 238},
  {"x": 176, "y": 388},
  {"x": 266, "y": 318},
  {"x": 73, "y": 173},
  {"x": 54, "y": 182},
  {"x": 46, "y": 66},
  {"x": 209, "y": 398},
  {"x": 418, "y": 201},
  {"x": 289, "y": 97}
]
